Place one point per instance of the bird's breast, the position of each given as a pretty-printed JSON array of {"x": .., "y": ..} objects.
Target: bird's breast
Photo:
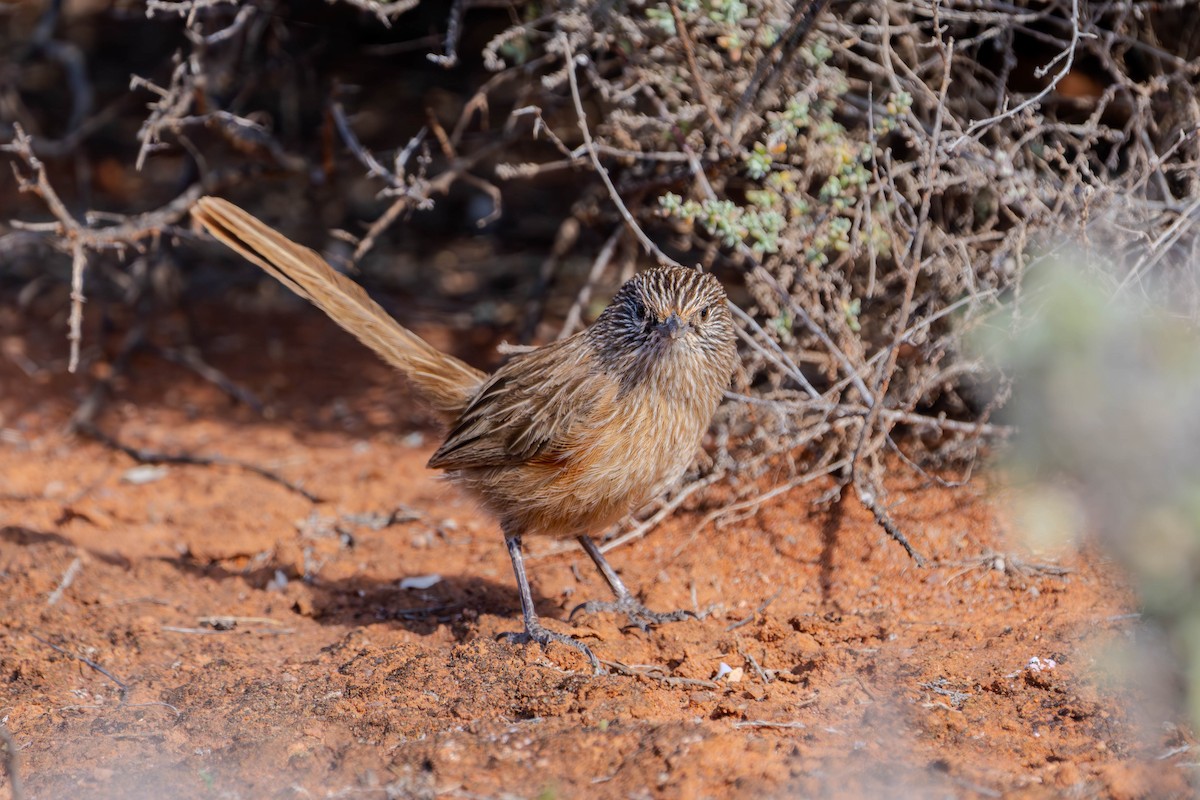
[{"x": 632, "y": 447}]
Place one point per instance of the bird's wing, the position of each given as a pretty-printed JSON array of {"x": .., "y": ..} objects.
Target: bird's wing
[{"x": 534, "y": 409}]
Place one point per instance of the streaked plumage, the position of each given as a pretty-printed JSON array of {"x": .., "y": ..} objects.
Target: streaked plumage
[{"x": 563, "y": 440}]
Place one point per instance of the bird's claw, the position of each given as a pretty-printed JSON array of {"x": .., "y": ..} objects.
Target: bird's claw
[
  {"x": 543, "y": 636},
  {"x": 637, "y": 613}
]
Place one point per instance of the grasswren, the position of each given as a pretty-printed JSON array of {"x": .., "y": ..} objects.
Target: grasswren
[{"x": 563, "y": 440}]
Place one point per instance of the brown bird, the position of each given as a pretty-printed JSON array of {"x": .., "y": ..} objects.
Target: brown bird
[{"x": 563, "y": 440}]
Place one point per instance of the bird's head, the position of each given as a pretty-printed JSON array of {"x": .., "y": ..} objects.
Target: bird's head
[{"x": 668, "y": 317}]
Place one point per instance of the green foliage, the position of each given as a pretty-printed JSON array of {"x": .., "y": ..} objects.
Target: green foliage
[
  {"x": 729, "y": 222},
  {"x": 758, "y": 162},
  {"x": 1107, "y": 402},
  {"x": 728, "y": 18},
  {"x": 662, "y": 17},
  {"x": 803, "y": 145},
  {"x": 853, "y": 308},
  {"x": 898, "y": 105}
]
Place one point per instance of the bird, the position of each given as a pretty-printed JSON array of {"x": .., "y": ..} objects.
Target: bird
[{"x": 563, "y": 440}]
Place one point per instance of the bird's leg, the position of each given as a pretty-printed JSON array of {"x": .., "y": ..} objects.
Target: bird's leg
[
  {"x": 626, "y": 603},
  {"x": 534, "y": 630}
]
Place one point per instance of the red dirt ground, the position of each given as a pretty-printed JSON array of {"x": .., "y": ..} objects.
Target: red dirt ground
[{"x": 855, "y": 673}]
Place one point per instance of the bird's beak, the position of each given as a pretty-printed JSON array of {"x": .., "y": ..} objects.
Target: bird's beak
[{"x": 672, "y": 327}]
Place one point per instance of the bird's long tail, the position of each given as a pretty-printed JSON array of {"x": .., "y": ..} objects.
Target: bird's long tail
[{"x": 448, "y": 383}]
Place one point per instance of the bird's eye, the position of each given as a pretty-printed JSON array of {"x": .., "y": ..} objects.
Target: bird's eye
[{"x": 705, "y": 313}]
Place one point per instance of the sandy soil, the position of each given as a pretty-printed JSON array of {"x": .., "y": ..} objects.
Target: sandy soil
[{"x": 202, "y": 632}]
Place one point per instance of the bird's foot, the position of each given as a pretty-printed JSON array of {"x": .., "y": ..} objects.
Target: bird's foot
[
  {"x": 543, "y": 636},
  {"x": 631, "y": 607}
]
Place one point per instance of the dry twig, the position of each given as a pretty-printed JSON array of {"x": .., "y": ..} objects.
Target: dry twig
[
  {"x": 79, "y": 238},
  {"x": 124, "y": 687}
]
